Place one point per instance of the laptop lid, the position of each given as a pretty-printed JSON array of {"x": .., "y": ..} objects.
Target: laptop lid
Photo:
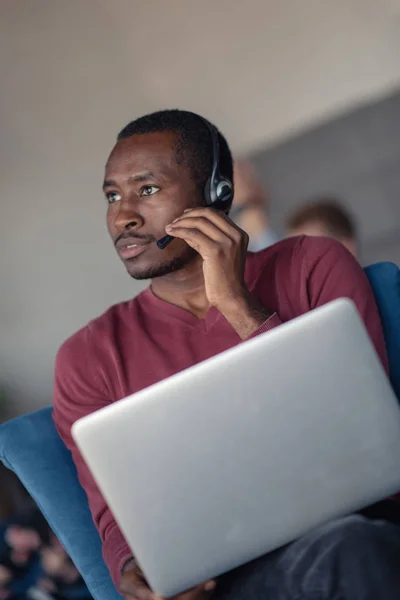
[{"x": 248, "y": 450}]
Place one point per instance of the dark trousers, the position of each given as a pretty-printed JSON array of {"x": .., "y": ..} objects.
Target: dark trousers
[{"x": 354, "y": 558}]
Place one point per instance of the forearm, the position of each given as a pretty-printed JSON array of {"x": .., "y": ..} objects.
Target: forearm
[
  {"x": 116, "y": 553},
  {"x": 245, "y": 315}
]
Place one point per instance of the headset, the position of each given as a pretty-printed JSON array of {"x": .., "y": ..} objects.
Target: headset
[{"x": 218, "y": 190}]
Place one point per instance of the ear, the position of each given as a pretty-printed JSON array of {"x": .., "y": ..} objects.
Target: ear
[{"x": 207, "y": 192}]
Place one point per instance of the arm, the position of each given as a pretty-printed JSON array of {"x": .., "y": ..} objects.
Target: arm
[
  {"x": 78, "y": 392},
  {"x": 222, "y": 246},
  {"x": 249, "y": 319},
  {"x": 332, "y": 272}
]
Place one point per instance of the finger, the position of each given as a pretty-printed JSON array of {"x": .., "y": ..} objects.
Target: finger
[
  {"x": 138, "y": 593},
  {"x": 138, "y": 589},
  {"x": 214, "y": 215},
  {"x": 144, "y": 593},
  {"x": 220, "y": 220},
  {"x": 204, "y": 245},
  {"x": 197, "y": 592},
  {"x": 202, "y": 224},
  {"x": 210, "y": 585}
]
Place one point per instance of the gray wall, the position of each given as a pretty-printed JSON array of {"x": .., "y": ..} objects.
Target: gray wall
[{"x": 356, "y": 157}]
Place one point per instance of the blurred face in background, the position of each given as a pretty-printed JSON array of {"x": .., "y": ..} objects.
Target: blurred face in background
[
  {"x": 250, "y": 207},
  {"x": 318, "y": 228}
]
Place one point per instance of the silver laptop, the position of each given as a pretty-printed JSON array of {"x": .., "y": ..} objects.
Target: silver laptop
[{"x": 249, "y": 450}]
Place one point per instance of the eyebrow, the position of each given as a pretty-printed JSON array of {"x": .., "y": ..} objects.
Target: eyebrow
[{"x": 140, "y": 177}]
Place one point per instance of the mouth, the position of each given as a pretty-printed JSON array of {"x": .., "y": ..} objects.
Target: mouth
[{"x": 129, "y": 249}]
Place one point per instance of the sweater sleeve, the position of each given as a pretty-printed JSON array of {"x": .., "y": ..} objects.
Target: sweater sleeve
[
  {"x": 79, "y": 391},
  {"x": 332, "y": 272},
  {"x": 270, "y": 323},
  {"x": 321, "y": 270}
]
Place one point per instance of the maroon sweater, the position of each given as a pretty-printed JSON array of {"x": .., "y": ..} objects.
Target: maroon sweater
[{"x": 142, "y": 341}]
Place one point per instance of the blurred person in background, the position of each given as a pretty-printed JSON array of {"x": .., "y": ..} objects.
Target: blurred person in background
[
  {"x": 250, "y": 207},
  {"x": 33, "y": 564},
  {"x": 325, "y": 217}
]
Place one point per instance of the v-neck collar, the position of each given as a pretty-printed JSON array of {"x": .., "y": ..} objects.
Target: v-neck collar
[{"x": 166, "y": 311}]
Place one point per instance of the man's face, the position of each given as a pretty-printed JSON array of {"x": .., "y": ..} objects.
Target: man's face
[{"x": 146, "y": 189}]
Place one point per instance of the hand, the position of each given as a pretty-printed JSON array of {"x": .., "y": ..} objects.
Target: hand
[
  {"x": 133, "y": 586},
  {"x": 222, "y": 246}
]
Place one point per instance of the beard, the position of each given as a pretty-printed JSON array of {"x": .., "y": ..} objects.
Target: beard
[{"x": 177, "y": 263}]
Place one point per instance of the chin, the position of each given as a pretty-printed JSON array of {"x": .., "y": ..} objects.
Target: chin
[{"x": 152, "y": 270}]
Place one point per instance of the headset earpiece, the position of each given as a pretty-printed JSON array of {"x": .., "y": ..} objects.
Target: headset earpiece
[
  {"x": 224, "y": 191},
  {"x": 218, "y": 189}
]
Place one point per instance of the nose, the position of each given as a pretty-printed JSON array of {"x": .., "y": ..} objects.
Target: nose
[{"x": 128, "y": 216}]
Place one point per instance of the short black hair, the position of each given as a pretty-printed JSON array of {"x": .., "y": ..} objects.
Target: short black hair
[
  {"x": 194, "y": 147},
  {"x": 329, "y": 212}
]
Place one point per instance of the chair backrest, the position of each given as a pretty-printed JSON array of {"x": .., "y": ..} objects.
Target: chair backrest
[
  {"x": 31, "y": 447},
  {"x": 385, "y": 282}
]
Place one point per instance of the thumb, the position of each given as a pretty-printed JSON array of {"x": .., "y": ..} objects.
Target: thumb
[{"x": 209, "y": 585}]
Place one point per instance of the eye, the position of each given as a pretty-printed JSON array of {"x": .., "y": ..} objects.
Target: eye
[
  {"x": 113, "y": 197},
  {"x": 149, "y": 190}
]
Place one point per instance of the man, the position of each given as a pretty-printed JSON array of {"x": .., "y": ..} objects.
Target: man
[
  {"x": 324, "y": 217},
  {"x": 250, "y": 207},
  {"x": 208, "y": 295}
]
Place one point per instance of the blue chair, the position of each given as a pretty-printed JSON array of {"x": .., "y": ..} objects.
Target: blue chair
[
  {"x": 385, "y": 282},
  {"x": 30, "y": 446}
]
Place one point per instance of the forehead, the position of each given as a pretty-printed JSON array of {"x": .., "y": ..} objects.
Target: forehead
[
  {"x": 312, "y": 228},
  {"x": 151, "y": 151}
]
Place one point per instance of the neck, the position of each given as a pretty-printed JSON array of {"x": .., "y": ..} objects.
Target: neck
[{"x": 184, "y": 288}]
